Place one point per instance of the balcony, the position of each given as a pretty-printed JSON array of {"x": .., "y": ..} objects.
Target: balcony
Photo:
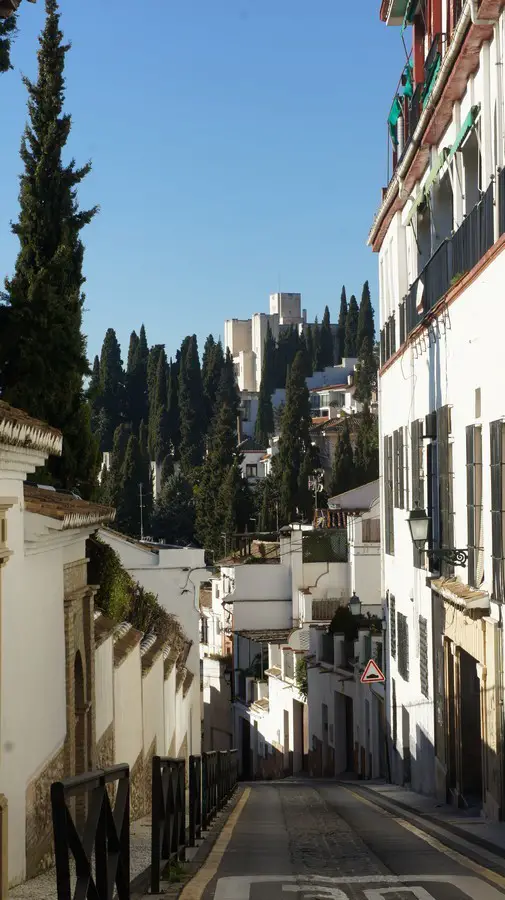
[{"x": 454, "y": 257}]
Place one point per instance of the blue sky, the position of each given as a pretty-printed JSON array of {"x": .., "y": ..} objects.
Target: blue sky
[{"x": 238, "y": 147}]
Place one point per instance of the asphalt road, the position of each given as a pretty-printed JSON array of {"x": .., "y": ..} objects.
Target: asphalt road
[{"x": 321, "y": 840}]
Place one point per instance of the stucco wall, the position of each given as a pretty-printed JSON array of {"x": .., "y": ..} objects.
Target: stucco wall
[
  {"x": 169, "y": 707},
  {"x": 153, "y": 707},
  {"x": 104, "y": 686},
  {"x": 128, "y": 709}
]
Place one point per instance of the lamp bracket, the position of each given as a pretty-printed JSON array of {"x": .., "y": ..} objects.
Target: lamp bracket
[{"x": 450, "y": 555}]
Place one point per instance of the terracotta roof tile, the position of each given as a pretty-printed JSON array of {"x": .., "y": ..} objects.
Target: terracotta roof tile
[
  {"x": 71, "y": 511},
  {"x": 19, "y": 429}
]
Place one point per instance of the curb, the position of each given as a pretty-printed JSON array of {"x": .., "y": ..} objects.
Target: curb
[
  {"x": 414, "y": 815},
  {"x": 140, "y": 886}
]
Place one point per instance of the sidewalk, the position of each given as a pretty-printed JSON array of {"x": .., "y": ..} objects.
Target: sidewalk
[
  {"x": 43, "y": 887},
  {"x": 475, "y": 828}
]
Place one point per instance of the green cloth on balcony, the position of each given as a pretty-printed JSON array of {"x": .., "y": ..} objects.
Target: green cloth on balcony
[
  {"x": 467, "y": 125},
  {"x": 431, "y": 77},
  {"x": 408, "y": 87},
  {"x": 410, "y": 12},
  {"x": 395, "y": 112}
]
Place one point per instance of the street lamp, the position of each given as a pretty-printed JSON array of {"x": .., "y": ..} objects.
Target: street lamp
[
  {"x": 355, "y": 604},
  {"x": 419, "y": 523}
]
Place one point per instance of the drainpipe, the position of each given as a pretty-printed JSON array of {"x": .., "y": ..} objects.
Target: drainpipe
[
  {"x": 474, "y": 15},
  {"x": 400, "y": 134}
]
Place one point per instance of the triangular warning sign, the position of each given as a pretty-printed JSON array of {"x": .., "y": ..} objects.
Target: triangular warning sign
[{"x": 372, "y": 673}]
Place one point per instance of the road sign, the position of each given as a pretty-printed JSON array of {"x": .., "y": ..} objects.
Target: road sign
[{"x": 372, "y": 673}]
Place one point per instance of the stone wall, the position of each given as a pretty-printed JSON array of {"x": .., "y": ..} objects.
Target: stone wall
[
  {"x": 148, "y": 776},
  {"x": 39, "y": 834},
  {"x": 137, "y": 788},
  {"x": 105, "y": 748}
]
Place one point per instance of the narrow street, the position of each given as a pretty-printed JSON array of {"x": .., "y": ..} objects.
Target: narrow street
[{"x": 322, "y": 840}]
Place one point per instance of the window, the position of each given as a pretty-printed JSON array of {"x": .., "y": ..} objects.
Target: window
[
  {"x": 388, "y": 495},
  {"x": 400, "y": 481},
  {"x": 423, "y": 656},
  {"x": 246, "y": 410},
  {"x": 204, "y": 630},
  {"x": 474, "y": 504},
  {"x": 370, "y": 531},
  {"x": 445, "y": 481},
  {"x": 497, "y": 504},
  {"x": 289, "y": 666},
  {"x": 416, "y": 440},
  {"x": 392, "y": 625},
  {"x": 251, "y": 470},
  {"x": 403, "y": 646}
]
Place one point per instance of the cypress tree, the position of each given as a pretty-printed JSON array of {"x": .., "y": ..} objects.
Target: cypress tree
[
  {"x": 42, "y": 350},
  {"x": 152, "y": 373},
  {"x": 307, "y": 359},
  {"x": 235, "y": 502},
  {"x": 343, "y": 474},
  {"x": 173, "y": 424},
  {"x": 309, "y": 344},
  {"x": 294, "y": 441},
  {"x": 342, "y": 319},
  {"x": 317, "y": 357},
  {"x": 173, "y": 517},
  {"x": 8, "y": 30},
  {"x": 94, "y": 395},
  {"x": 326, "y": 340},
  {"x": 366, "y": 373},
  {"x": 111, "y": 389},
  {"x": 366, "y": 324},
  {"x": 159, "y": 436},
  {"x": 351, "y": 329},
  {"x": 269, "y": 501},
  {"x": 212, "y": 366},
  {"x": 191, "y": 408},
  {"x": 111, "y": 490},
  {"x": 136, "y": 379},
  {"x": 133, "y": 474},
  {"x": 367, "y": 448},
  {"x": 265, "y": 424}
]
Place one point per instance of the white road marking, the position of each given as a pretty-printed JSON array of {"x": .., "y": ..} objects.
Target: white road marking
[
  {"x": 238, "y": 887},
  {"x": 419, "y": 893}
]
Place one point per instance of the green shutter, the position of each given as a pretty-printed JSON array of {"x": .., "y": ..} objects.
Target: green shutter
[{"x": 467, "y": 125}]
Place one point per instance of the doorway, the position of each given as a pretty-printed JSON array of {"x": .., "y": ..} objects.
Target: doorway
[
  {"x": 349, "y": 734},
  {"x": 471, "y": 740},
  {"x": 246, "y": 749}
]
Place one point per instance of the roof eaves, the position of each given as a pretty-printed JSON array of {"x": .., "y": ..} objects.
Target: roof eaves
[{"x": 18, "y": 429}]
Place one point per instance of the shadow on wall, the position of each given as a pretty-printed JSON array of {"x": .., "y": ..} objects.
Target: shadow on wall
[
  {"x": 217, "y": 720},
  {"x": 262, "y": 760}
]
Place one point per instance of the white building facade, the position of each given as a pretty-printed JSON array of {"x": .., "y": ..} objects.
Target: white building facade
[{"x": 440, "y": 234}]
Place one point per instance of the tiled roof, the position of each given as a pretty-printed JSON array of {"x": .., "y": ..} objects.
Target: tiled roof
[
  {"x": 19, "y": 429},
  {"x": 267, "y": 636},
  {"x": 460, "y": 594},
  {"x": 329, "y": 387},
  {"x": 71, "y": 511},
  {"x": 334, "y": 423}
]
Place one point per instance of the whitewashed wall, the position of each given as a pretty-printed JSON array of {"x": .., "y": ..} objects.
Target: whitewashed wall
[
  {"x": 169, "y": 709},
  {"x": 128, "y": 720},
  {"x": 153, "y": 713},
  {"x": 104, "y": 686}
]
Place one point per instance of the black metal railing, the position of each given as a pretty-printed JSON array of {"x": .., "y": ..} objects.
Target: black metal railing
[
  {"x": 219, "y": 779},
  {"x": 431, "y": 60},
  {"x": 454, "y": 257},
  {"x": 100, "y": 842},
  {"x": 195, "y": 799},
  {"x": 415, "y": 109},
  {"x": 168, "y": 815}
]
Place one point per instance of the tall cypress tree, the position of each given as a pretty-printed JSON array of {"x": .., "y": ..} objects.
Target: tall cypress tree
[
  {"x": 294, "y": 441},
  {"x": 317, "y": 353},
  {"x": 212, "y": 366},
  {"x": 152, "y": 373},
  {"x": 351, "y": 329},
  {"x": 191, "y": 408},
  {"x": 326, "y": 340},
  {"x": 111, "y": 389},
  {"x": 342, "y": 319},
  {"x": 159, "y": 428},
  {"x": 309, "y": 344},
  {"x": 366, "y": 373},
  {"x": 367, "y": 448},
  {"x": 134, "y": 473},
  {"x": 173, "y": 407},
  {"x": 136, "y": 380},
  {"x": 343, "y": 473},
  {"x": 42, "y": 349},
  {"x": 265, "y": 418},
  {"x": 94, "y": 395},
  {"x": 366, "y": 324}
]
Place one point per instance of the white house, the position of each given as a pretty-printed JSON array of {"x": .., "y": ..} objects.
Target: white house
[
  {"x": 174, "y": 575},
  {"x": 216, "y": 666},
  {"x": 439, "y": 233},
  {"x": 252, "y": 465}
]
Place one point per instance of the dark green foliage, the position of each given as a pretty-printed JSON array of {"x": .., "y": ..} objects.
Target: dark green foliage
[
  {"x": 235, "y": 501},
  {"x": 8, "y": 30},
  {"x": 309, "y": 349},
  {"x": 301, "y": 678},
  {"x": 94, "y": 395},
  {"x": 326, "y": 340},
  {"x": 174, "y": 512},
  {"x": 123, "y": 599},
  {"x": 136, "y": 380},
  {"x": 265, "y": 417},
  {"x": 342, "y": 319},
  {"x": 42, "y": 350},
  {"x": 134, "y": 472},
  {"x": 305, "y": 494},
  {"x": 191, "y": 407},
  {"x": 167, "y": 470},
  {"x": 366, "y": 324},
  {"x": 366, "y": 454},
  {"x": 345, "y": 623},
  {"x": 212, "y": 365},
  {"x": 343, "y": 473},
  {"x": 159, "y": 424},
  {"x": 111, "y": 390},
  {"x": 287, "y": 348},
  {"x": 351, "y": 329},
  {"x": 366, "y": 373},
  {"x": 268, "y": 503},
  {"x": 294, "y": 441},
  {"x": 173, "y": 407},
  {"x": 152, "y": 372},
  {"x": 317, "y": 352},
  {"x": 304, "y": 350}
]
